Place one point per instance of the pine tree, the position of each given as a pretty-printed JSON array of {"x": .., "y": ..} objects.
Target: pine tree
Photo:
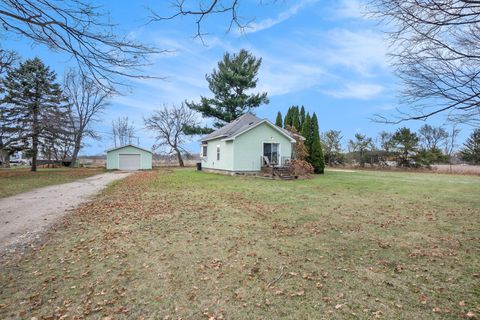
[
  {"x": 317, "y": 159},
  {"x": 235, "y": 76},
  {"x": 405, "y": 143},
  {"x": 32, "y": 94},
  {"x": 306, "y": 132},
  {"x": 295, "y": 118},
  {"x": 288, "y": 119},
  {"x": 278, "y": 120},
  {"x": 471, "y": 149},
  {"x": 302, "y": 117}
]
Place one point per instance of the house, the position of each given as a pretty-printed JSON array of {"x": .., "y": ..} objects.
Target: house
[
  {"x": 245, "y": 145},
  {"x": 129, "y": 157}
]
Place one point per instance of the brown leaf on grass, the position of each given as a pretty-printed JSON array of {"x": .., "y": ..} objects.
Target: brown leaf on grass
[
  {"x": 471, "y": 314},
  {"x": 399, "y": 268},
  {"x": 279, "y": 292},
  {"x": 462, "y": 304},
  {"x": 297, "y": 294},
  {"x": 423, "y": 299}
]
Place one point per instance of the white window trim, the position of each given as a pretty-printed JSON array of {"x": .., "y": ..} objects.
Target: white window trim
[
  {"x": 203, "y": 155},
  {"x": 279, "y": 149}
]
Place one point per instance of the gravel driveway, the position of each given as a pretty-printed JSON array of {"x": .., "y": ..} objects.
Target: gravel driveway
[{"x": 24, "y": 216}]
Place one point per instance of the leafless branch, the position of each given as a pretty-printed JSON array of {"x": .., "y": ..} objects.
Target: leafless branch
[
  {"x": 169, "y": 125},
  {"x": 201, "y": 10},
  {"x": 81, "y": 30},
  {"x": 435, "y": 49}
]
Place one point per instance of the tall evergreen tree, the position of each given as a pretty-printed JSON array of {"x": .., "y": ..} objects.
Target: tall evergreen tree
[
  {"x": 317, "y": 159},
  {"x": 306, "y": 132},
  {"x": 287, "y": 122},
  {"x": 32, "y": 96},
  {"x": 278, "y": 120},
  {"x": 471, "y": 149},
  {"x": 302, "y": 117},
  {"x": 295, "y": 118},
  {"x": 230, "y": 83}
]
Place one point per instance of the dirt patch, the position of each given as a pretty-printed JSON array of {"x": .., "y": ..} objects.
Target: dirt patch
[{"x": 24, "y": 216}]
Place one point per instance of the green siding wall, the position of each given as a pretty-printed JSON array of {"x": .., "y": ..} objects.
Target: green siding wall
[
  {"x": 145, "y": 157},
  {"x": 248, "y": 150},
  {"x": 226, "y": 155},
  {"x": 245, "y": 152}
]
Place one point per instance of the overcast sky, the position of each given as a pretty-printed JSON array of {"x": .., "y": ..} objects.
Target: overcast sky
[{"x": 325, "y": 55}]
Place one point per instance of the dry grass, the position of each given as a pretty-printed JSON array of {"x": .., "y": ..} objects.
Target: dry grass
[
  {"x": 14, "y": 181},
  {"x": 183, "y": 244},
  {"x": 457, "y": 169}
]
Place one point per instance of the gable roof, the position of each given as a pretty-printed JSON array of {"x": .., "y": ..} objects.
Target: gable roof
[
  {"x": 129, "y": 145},
  {"x": 241, "y": 125}
]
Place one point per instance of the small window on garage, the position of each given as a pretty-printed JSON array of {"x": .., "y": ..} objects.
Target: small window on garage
[
  {"x": 218, "y": 153},
  {"x": 204, "y": 150}
]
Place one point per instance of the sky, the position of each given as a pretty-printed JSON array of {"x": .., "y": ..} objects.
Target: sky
[{"x": 328, "y": 56}]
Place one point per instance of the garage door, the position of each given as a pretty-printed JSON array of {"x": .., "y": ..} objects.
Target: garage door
[{"x": 129, "y": 162}]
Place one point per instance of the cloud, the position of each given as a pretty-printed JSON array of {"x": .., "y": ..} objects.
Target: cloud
[
  {"x": 363, "y": 91},
  {"x": 281, "y": 17},
  {"x": 348, "y": 9},
  {"x": 362, "y": 51},
  {"x": 279, "y": 78}
]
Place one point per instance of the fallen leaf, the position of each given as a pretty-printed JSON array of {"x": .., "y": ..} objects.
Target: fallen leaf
[{"x": 297, "y": 294}]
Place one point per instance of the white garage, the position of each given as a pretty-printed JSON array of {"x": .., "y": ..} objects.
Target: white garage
[{"x": 129, "y": 157}]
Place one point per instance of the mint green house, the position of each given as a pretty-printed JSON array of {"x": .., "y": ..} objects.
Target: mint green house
[
  {"x": 129, "y": 157},
  {"x": 245, "y": 145}
]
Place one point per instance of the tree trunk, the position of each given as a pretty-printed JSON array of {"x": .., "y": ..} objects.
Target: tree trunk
[
  {"x": 35, "y": 138},
  {"x": 76, "y": 150},
  {"x": 179, "y": 156},
  {"x": 5, "y": 158}
]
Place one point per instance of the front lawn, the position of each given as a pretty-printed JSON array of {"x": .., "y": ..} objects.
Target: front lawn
[
  {"x": 174, "y": 244},
  {"x": 14, "y": 181}
]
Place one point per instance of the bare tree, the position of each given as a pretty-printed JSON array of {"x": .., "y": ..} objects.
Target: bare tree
[
  {"x": 436, "y": 52},
  {"x": 123, "y": 131},
  {"x": 385, "y": 141},
  {"x": 332, "y": 145},
  {"x": 169, "y": 124},
  {"x": 8, "y": 59},
  {"x": 86, "y": 100},
  {"x": 432, "y": 137},
  {"x": 79, "y": 29},
  {"x": 450, "y": 143}
]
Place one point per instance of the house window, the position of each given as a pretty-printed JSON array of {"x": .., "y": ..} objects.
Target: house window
[
  {"x": 204, "y": 150},
  {"x": 218, "y": 153},
  {"x": 271, "y": 151}
]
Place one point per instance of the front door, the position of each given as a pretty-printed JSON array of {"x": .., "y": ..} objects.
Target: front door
[{"x": 271, "y": 151}]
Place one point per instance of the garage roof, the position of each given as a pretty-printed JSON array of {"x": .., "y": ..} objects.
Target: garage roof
[{"x": 129, "y": 145}]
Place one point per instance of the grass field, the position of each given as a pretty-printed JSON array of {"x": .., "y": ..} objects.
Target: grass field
[
  {"x": 14, "y": 181},
  {"x": 183, "y": 244}
]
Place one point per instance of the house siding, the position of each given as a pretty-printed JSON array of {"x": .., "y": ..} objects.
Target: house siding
[
  {"x": 248, "y": 147},
  {"x": 113, "y": 157},
  {"x": 244, "y": 153},
  {"x": 226, "y": 155}
]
